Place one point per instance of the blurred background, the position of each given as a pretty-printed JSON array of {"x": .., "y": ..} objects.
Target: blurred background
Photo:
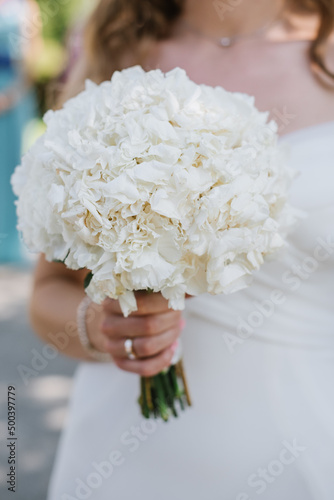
[{"x": 40, "y": 40}]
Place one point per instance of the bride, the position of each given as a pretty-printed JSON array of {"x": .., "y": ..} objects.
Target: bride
[{"x": 260, "y": 363}]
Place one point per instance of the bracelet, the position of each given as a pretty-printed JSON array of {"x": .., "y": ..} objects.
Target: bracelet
[{"x": 82, "y": 333}]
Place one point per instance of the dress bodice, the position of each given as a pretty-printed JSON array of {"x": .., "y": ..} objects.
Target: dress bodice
[{"x": 291, "y": 298}]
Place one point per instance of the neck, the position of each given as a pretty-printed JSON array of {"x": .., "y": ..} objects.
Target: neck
[{"x": 231, "y": 17}]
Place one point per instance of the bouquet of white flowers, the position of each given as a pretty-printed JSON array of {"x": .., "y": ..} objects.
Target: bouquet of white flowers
[{"x": 153, "y": 182}]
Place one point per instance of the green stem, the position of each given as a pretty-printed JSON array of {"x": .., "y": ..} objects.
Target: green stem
[
  {"x": 177, "y": 390},
  {"x": 144, "y": 406},
  {"x": 170, "y": 395},
  {"x": 160, "y": 393},
  {"x": 161, "y": 402}
]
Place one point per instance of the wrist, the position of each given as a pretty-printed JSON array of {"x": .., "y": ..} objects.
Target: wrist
[{"x": 89, "y": 317}]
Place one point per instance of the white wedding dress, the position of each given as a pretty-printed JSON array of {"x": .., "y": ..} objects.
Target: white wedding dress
[{"x": 260, "y": 366}]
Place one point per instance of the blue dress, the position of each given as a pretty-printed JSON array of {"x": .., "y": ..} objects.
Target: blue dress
[{"x": 12, "y": 124}]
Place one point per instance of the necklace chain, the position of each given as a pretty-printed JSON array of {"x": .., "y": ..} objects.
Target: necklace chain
[{"x": 228, "y": 41}]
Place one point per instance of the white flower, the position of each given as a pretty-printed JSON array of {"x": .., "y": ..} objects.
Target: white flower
[{"x": 152, "y": 181}]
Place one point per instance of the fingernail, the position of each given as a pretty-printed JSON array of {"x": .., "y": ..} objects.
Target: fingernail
[
  {"x": 174, "y": 346},
  {"x": 182, "y": 323}
]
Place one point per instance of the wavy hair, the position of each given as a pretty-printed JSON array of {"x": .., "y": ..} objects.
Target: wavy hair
[{"x": 119, "y": 32}]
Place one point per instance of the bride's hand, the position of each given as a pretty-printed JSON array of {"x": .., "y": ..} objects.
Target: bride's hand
[{"x": 153, "y": 328}]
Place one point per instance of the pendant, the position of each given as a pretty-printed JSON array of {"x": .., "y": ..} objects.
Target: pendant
[{"x": 226, "y": 41}]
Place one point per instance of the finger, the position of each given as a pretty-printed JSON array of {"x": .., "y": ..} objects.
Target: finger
[
  {"x": 149, "y": 366},
  {"x": 135, "y": 326},
  {"x": 147, "y": 303},
  {"x": 144, "y": 347}
]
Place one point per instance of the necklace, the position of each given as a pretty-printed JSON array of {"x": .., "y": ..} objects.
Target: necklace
[{"x": 228, "y": 41}]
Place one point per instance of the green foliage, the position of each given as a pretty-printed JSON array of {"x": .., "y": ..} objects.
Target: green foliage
[
  {"x": 88, "y": 279},
  {"x": 57, "y": 15},
  {"x": 58, "y": 18}
]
